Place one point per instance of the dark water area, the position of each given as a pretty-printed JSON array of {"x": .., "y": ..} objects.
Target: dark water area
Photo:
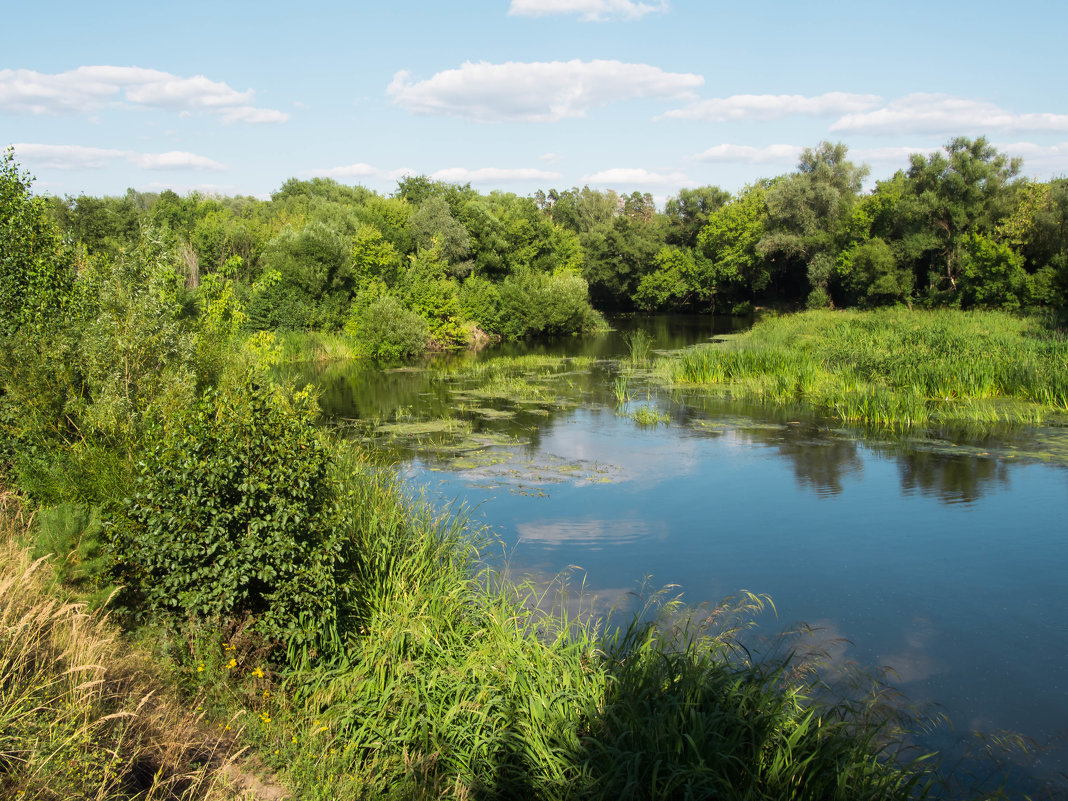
[{"x": 943, "y": 558}]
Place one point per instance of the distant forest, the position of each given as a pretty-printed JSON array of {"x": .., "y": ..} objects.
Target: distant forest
[{"x": 433, "y": 260}]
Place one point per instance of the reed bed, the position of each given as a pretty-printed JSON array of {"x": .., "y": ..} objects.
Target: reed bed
[
  {"x": 319, "y": 347},
  {"x": 895, "y": 368}
]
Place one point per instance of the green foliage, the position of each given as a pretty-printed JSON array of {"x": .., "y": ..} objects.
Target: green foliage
[
  {"x": 385, "y": 329},
  {"x": 992, "y": 274},
  {"x": 427, "y": 289},
  {"x": 37, "y": 271},
  {"x": 895, "y": 368},
  {"x": 965, "y": 190},
  {"x": 221, "y": 319},
  {"x": 729, "y": 242},
  {"x": 480, "y": 301},
  {"x": 535, "y": 303},
  {"x": 808, "y": 215},
  {"x": 232, "y": 515},
  {"x": 433, "y": 227},
  {"x": 275, "y": 305},
  {"x": 373, "y": 257},
  {"x": 315, "y": 267},
  {"x": 73, "y": 536},
  {"x": 875, "y": 275},
  {"x": 688, "y": 212},
  {"x": 137, "y": 351}
]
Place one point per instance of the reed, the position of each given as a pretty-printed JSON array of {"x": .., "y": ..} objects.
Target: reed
[
  {"x": 639, "y": 342},
  {"x": 895, "y": 368}
]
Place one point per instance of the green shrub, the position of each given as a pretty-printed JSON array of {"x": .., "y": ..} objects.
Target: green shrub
[
  {"x": 385, "y": 329},
  {"x": 37, "y": 270},
  {"x": 231, "y": 516},
  {"x": 480, "y": 301},
  {"x": 534, "y": 303}
]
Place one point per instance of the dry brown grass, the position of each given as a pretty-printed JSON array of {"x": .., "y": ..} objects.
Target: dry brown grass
[{"x": 83, "y": 715}]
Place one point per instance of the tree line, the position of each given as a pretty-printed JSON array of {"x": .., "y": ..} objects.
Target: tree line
[{"x": 956, "y": 228}]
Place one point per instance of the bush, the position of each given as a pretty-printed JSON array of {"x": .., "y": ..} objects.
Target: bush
[
  {"x": 231, "y": 516},
  {"x": 385, "y": 329},
  {"x": 535, "y": 303},
  {"x": 481, "y": 302}
]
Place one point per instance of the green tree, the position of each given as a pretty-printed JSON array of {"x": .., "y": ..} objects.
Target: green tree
[
  {"x": 688, "y": 212},
  {"x": 875, "y": 275},
  {"x": 808, "y": 214},
  {"x": 730, "y": 243},
  {"x": 967, "y": 189},
  {"x": 37, "y": 269},
  {"x": 433, "y": 225}
]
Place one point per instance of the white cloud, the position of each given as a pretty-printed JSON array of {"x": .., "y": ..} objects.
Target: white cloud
[
  {"x": 591, "y": 10},
  {"x": 770, "y": 154},
  {"x": 1047, "y": 159},
  {"x": 66, "y": 157},
  {"x": 88, "y": 89},
  {"x": 535, "y": 91},
  {"x": 888, "y": 155},
  {"x": 636, "y": 176},
  {"x": 490, "y": 175},
  {"x": 549, "y": 158},
  {"x": 402, "y": 172},
  {"x": 359, "y": 170},
  {"x": 174, "y": 160},
  {"x": 772, "y": 107},
  {"x": 944, "y": 114},
  {"x": 76, "y": 157}
]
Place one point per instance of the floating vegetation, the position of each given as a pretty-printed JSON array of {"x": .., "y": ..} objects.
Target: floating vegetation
[
  {"x": 647, "y": 415},
  {"x": 416, "y": 429},
  {"x": 491, "y": 414}
]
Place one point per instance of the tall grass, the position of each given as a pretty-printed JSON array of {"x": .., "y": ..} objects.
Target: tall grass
[
  {"x": 455, "y": 683},
  {"x": 458, "y": 683},
  {"x": 315, "y": 346},
  {"x": 639, "y": 343},
  {"x": 81, "y": 715},
  {"x": 895, "y": 368}
]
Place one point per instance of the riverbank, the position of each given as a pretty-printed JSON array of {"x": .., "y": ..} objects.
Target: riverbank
[{"x": 453, "y": 683}]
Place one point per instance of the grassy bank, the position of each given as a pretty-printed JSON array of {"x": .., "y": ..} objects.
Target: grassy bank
[
  {"x": 894, "y": 368},
  {"x": 82, "y": 715},
  {"x": 453, "y": 683}
]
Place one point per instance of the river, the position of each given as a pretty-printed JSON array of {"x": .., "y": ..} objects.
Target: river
[{"x": 942, "y": 558}]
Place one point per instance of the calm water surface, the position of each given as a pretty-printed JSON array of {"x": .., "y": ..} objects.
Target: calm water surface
[{"x": 945, "y": 559}]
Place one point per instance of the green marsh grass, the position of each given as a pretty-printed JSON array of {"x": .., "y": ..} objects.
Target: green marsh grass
[
  {"x": 648, "y": 415},
  {"x": 894, "y": 368},
  {"x": 639, "y": 343},
  {"x": 315, "y": 346}
]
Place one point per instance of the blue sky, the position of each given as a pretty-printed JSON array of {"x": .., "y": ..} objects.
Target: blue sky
[{"x": 237, "y": 97}]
